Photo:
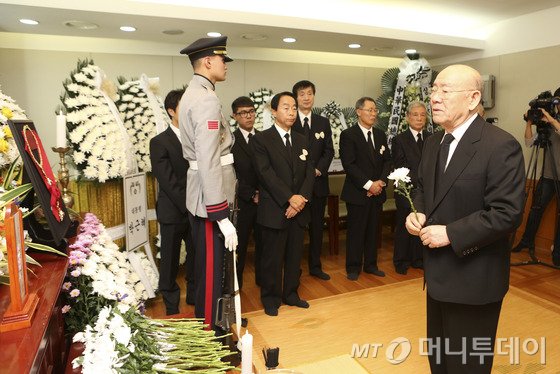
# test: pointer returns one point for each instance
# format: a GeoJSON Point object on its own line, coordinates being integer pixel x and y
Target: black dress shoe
{"type": "Point", "coordinates": [401, 270]}
{"type": "Point", "coordinates": [352, 276]}
{"type": "Point", "coordinates": [299, 303]}
{"type": "Point", "coordinates": [418, 265]}
{"type": "Point", "coordinates": [376, 272]}
{"type": "Point", "coordinates": [556, 261]}
{"type": "Point", "coordinates": [190, 301]}
{"type": "Point", "coordinates": [519, 247]}
{"type": "Point", "coordinates": [273, 312]}
{"type": "Point", "coordinates": [172, 312]}
{"type": "Point", "coordinates": [321, 275]}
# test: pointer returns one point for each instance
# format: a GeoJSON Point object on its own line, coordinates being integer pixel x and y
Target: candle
{"type": "Point", "coordinates": [247, 353]}
{"type": "Point", "coordinates": [60, 130]}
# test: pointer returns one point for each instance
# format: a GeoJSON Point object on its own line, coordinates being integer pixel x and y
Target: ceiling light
{"type": "Point", "coordinates": [354, 45]}
{"type": "Point", "coordinates": [81, 25]}
{"type": "Point", "coordinates": [409, 51]}
{"type": "Point", "coordinates": [28, 21]}
{"type": "Point", "coordinates": [128, 28]}
{"type": "Point", "coordinates": [289, 40]}
{"type": "Point", "coordinates": [252, 36]}
{"type": "Point", "coordinates": [213, 34]}
{"type": "Point", "coordinates": [173, 32]}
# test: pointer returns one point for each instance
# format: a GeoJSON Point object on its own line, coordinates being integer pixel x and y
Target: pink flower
{"type": "Point", "coordinates": [66, 286]}
{"type": "Point", "coordinates": [66, 308]}
{"type": "Point", "coordinates": [75, 292]}
{"type": "Point", "coordinates": [76, 273]}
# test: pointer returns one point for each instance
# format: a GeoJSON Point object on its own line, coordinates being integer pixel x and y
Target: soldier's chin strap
{"type": "Point", "coordinates": [236, 299]}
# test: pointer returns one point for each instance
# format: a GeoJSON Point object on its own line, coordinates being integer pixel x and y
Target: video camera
{"type": "Point", "coordinates": [546, 101]}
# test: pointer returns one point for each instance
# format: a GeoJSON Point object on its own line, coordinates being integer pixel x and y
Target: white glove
{"type": "Point", "coordinates": [230, 235]}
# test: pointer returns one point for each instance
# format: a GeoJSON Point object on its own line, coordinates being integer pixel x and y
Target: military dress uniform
{"type": "Point", "coordinates": [207, 143]}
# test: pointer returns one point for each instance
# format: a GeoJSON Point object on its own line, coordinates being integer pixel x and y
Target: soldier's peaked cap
{"type": "Point", "coordinates": [207, 47]}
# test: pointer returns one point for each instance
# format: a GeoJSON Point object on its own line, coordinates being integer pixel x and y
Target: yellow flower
{"type": "Point", "coordinates": [7, 112]}
{"type": "Point", "coordinates": [3, 146]}
{"type": "Point", "coordinates": [7, 132]}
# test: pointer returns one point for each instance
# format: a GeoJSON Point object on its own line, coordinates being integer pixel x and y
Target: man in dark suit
{"type": "Point", "coordinates": [406, 151]}
{"type": "Point", "coordinates": [286, 178]}
{"type": "Point", "coordinates": [366, 160]}
{"type": "Point", "coordinates": [469, 199]}
{"type": "Point", "coordinates": [247, 189]}
{"type": "Point", "coordinates": [317, 130]}
{"type": "Point", "coordinates": [170, 169]}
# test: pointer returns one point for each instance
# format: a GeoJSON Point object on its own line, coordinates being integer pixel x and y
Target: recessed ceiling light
{"type": "Point", "coordinates": [252, 36]}
{"type": "Point", "coordinates": [213, 34]}
{"type": "Point", "coordinates": [409, 51]}
{"type": "Point", "coordinates": [354, 45]}
{"type": "Point", "coordinates": [81, 25]}
{"type": "Point", "coordinates": [28, 21]}
{"type": "Point", "coordinates": [289, 40]}
{"type": "Point", "coordinates": [128, 28]}
{"type": "Point", "coordinates": [173, 32]}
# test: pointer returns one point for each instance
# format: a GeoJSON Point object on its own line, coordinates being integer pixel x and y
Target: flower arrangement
{"type": "Point", "coordinates": [122, 341]}
{"type": "Point", "coordinates": [400, 86]}
{"type": "Point", "coordinates": [141, 109]}
{"type": "Point", "coordinates": [8, 110]}
{"type": "Point", "coordinates": [403, 185]}
{"type": "Point", "coordinates": [339, 119]}
{"type": "Point", "coordinates": [261, 98]}
{"type": "Point", "coordinates": [100, 275]}
{"type": "Point", "coordinates": [101, 147]}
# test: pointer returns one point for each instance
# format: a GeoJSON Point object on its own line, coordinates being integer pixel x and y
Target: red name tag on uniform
{"type": "Point", "coordinates": [213, 125]}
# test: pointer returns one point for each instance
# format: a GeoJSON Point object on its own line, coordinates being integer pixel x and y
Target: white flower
{"type": "Point", "coordinates": [303, 155]}
{"type": "Point", "coordinates": [382, 149]}
{"type": "Point", "coordinates": [400, 175]}
{"type": "Point", "coordinates": [320, 135]}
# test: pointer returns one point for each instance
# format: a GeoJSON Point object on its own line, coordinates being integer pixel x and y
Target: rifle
{"type": "Point", "coordinates": [225, 307]}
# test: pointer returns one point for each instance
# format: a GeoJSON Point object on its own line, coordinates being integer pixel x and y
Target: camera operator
{"type": "Point", "coordinates": [545, 189]}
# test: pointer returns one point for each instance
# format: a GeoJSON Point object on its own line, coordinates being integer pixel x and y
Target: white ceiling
{"type": "Point", "coordinates": [436, 28]}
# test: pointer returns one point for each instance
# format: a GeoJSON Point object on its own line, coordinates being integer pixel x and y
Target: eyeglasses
{"type": "Point", "coordinates": [370, 110]}
{"type": "Point", "coordinates": [246, 113]}
{"type": "Point", "coordinates": [445, 92]}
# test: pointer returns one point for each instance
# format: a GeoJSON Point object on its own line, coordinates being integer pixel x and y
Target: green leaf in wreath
{"type": "Point", "coordinates": [389, 80]}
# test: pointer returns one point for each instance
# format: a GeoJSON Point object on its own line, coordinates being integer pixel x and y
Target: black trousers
{"type": "Point", "coordinates": [317, 207]}
{"type": "Point", "coordinates": [171, 236]}
{"type": "Point", "coordinates": [209, 259]}
{"type": "Point", "coordinates": [408, 248]}
{"type": "Point", "coordinates": [281, 254]}
{"type": "Point", "coordinates": [361, 247]}
{"type": "Point", "coordinates": [468, 331]}
{"type": "Point", "coordinates": [247, 224]}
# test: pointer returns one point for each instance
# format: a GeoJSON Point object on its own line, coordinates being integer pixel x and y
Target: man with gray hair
{"type": "Point", "coordinates": [471, 187]}
{"type": "Point", "coordinates": [407, 150]}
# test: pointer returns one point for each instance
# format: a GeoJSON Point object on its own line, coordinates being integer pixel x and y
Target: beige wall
{"type": "Point", "coordinates": [34, 79]}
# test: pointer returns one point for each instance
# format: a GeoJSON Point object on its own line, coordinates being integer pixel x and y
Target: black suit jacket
{"type": "Point", "coordinates": [322, 150]}
{"type": "Point", "coordinates": [360, 166]}
{"type": "Point", "coordinates": [281, 178]}
{"type": "Point", "coordinates": [480, 200]}
{"type": "Point", "coordinates": [244, 168]}
{"type": "Point", "coordinates": [406, 153]}
{"type": "Point", "coordinates": [170, 169]}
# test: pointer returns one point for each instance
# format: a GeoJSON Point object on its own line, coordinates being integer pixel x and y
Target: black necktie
{"type": "Point", "coordinates": [288, 146]}
{"type": "Point", "coordinates": [370, 143]}
{"type": "Point", "coordinates": [306, 127]}
{"type": "Point", "coordinates": [419, 141]}
{"type": "Point", "coordinates": [249, 138]}
{"type": "Point", "coordinates": [442, 157]}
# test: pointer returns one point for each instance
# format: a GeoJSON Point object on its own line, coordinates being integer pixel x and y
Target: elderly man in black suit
{"type": "Point", "coordinates": [170, 169]}
{"type": "Point", "coordinates": [406, 150]}
{"type": "Point", "coordinates": [317, 130]}
{"type": "Point", "coordinates": [286, 178]}
{"type": "Point", "coordinates": [366, 160]}
{"type": "Point", "coordinates": [247, 190]}
{"type": "Point", "coordinates": [470, 198]}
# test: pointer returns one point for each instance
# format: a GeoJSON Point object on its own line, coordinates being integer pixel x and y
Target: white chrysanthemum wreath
{"type": "Point", "coordinates": [102, 149]}
{"type": "Point", "coordinates": [143, 114]}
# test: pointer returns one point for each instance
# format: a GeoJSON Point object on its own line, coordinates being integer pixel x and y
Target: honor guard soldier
{"type": "Point", "coordinates": [207, 143]}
